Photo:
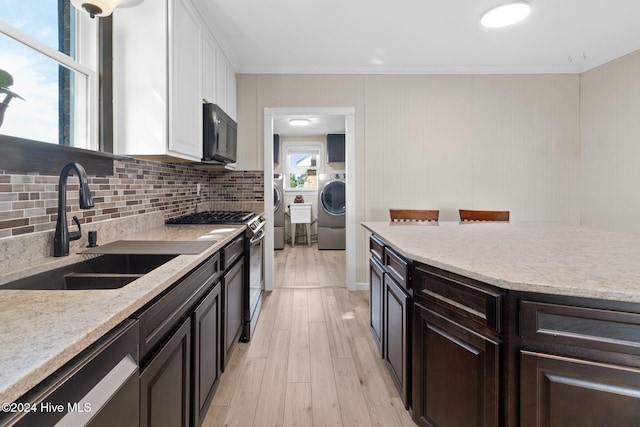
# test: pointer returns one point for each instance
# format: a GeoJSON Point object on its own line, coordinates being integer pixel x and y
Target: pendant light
{"type": "Point", "coordinates": [102, 8]}
{"type": "Point", "coordinates": [506, 14]}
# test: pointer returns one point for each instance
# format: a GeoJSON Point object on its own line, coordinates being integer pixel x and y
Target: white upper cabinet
{"type": "Point", "coordinates": [166, 64]}
{"type": "Point", "coordinates": [209, 54]}
{"type": "Point", "coordinates": [221, 85]}
{"type": "Point", "coordinates": [185, 82]}
{"type": "Point", "coordinates": [231, 93]}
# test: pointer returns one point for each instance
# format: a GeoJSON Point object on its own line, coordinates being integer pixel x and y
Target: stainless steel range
{"type": "Point", "coordinates": [215, 217]}
{"type": "Point", "coordinates": [253, 252]}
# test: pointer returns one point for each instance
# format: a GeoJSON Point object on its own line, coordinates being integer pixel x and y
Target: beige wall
{"type": "Point", "coordinates": [610, 145]}
{"type": "Point", "coordinates": [441, 142]}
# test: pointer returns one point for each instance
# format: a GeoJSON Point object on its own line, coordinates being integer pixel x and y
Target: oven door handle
{"type": "Point", "coordinates": [257, 238]}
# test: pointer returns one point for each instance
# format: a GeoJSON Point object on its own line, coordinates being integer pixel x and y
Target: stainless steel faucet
{"type": "Point", "coordinates": [62, 236]}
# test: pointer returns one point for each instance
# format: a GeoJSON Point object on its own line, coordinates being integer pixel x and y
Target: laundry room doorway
{"type": "Point", "coordinates": [298, 165]}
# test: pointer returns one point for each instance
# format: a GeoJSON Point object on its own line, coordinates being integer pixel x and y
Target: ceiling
{"type": "Point", "coordinates": [421, 36]}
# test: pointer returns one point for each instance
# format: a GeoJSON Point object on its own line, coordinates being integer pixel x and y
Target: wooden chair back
{"type": "Point", "coordinates": [471, 215]}
{"type": "Point", "coordinates": [413, 215]}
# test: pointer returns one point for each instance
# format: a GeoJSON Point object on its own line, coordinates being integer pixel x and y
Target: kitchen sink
{"type": "Point", "coordinates": [109, 271]}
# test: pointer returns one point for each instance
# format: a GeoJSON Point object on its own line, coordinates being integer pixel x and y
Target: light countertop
{"type": "Point", "coordinates": [42, 330]}
{"type": "Point", "coordinates": [540, 257]}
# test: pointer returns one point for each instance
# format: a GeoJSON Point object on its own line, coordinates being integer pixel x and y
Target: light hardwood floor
{"type": "Point", "coordinates": [311, 361]}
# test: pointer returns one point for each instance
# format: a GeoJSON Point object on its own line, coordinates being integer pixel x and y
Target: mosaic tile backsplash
{"type": "Point", "coordinates": [28, 203]}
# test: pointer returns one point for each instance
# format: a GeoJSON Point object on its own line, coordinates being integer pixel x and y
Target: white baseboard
{"type": "Point", "coordinates": [362, 286]}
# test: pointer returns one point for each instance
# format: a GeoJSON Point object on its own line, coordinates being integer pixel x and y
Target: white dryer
{"type": "Point", "coordinates": [278, 212]}
{"type": "Point", "coordinates": [332, 192]}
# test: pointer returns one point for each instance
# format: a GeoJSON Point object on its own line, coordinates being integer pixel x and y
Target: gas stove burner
{"type": "Point", "coordinates": [214, 217]}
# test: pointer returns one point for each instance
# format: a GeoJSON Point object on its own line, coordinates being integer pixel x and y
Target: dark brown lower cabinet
{"type": "Point", "coordinates": [396, 336]}
{"type": "Point", "coordinates": [563, 391]}
{"type": "Point", "coordinates": [376, 283]}
{"type": "Point", "coordinates": [455, 373]}
{"type": "Point", "coordinates": [165, 383]}
{"type": "Point", "coordinates": [206, 352]}
{"type": "Point", "coordinates": [232, 285]}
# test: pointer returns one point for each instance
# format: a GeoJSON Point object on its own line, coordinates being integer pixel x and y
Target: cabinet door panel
{"type": "Point", "coordinates": [456, 376]}
{"type": "Point", "coordinates": [165, 382]}
{"type": "Point", "coordinates": [561, 391]}
{"type": "Point", "coordinates": [395, 336]}
{"type": "Point", "coordinates": [207, 351]}
{"type": "Point", "coordinates": [221, 81]}
{"type": "Point", "coordinates": [234, 310]}
{"type": "Point", "coordinates": [375, 302]}
{"type": "Point", "coordinates": [209, 54]}
{"type": "Point", "coordinates": [185, 80]}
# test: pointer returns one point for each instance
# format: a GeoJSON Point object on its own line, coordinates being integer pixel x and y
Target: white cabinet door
{"type": "Point", "coordinates": [231, 93]}
{"type": "Point", "coordinates": [221, 86]}
{"type": "Point", "coordinates": [185, 81]}
{"type": "Point", "coordinates": [209, 71]}
{"type": "Point", "coordinates": [140, 96]}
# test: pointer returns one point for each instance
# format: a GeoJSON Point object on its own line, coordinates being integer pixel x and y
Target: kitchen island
{"type": "Point", "coordinates": [43, 330]}
{"type": "Point", "coordinates": [512, 324]}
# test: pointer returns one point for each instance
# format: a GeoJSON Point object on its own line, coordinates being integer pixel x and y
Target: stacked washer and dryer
{"type": "Point", "coordinates": [278, 212]}
{"type": "Point", "coordinates": [331, 211]}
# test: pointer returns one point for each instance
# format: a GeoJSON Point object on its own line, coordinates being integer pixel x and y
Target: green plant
{"type": "Point", "coordinates": [6, 80]}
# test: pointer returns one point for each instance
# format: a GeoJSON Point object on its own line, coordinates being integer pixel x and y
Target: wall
{"type": "Point", "coordinates": [442, 142]}
{"type": "Point", "coordinates": [610, 144]}
{"type": "Point", "coordinates": [28, 202]}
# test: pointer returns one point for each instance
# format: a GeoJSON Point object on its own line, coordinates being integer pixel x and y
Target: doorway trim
{"type": "Point", "coordinates": [350, 169]}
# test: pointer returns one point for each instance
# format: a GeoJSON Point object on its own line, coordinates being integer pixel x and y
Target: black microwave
{"type": "Point", "coordinates": [219, 135]}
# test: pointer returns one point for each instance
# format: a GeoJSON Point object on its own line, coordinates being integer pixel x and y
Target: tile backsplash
{"type": "Point", "coordinates": [28, 203]}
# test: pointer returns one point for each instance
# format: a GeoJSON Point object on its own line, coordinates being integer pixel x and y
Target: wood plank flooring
{"type": "Point", "coordinates": [311, 361]}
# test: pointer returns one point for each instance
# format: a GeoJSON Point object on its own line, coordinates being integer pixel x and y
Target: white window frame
{"type": "Point", "coordinates": [85, 118]}
{"type": "Point", "coordinates": [301, 147]}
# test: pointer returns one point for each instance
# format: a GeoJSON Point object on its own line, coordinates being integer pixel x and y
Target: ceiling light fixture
{"type": "Point", "coordinates": [506, 14]}
{"type": "Point", "coordinates": [101, 8]}
{"type": "Point", "coordinates": [299, 122]}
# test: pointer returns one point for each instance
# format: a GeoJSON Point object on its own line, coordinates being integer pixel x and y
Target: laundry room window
{"type": "Point", "coordinates": [302, 166]}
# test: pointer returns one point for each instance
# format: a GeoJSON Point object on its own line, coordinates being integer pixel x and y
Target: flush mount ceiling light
{"type": "Point", "coordinates": [506, 14]}
{"type": "Point", "coordinates": [299, 122]}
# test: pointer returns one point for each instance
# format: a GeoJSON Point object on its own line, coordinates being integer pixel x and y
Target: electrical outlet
{"type": "Point", "coordinates": [198, 189]}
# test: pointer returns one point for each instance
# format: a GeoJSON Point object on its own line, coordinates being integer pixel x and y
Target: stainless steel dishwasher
{"type": "Point", "coordinates": [99, 387]}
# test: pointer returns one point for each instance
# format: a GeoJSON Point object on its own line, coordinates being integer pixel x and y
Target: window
{"type": "Point", "coordinates": [50, 51]}
{"type": "Point", "coordinates": [302, 166]}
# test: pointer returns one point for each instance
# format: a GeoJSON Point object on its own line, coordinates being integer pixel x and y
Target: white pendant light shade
{"type": "Point", "coordinates": [96, 7]}
{"type": "Point", "coordinates": [506, 14]}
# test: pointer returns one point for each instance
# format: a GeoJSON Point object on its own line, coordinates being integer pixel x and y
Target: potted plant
{"type": "Point", "coordinates": [5, 81]}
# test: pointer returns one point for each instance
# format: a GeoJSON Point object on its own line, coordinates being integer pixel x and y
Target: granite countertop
{"type": "Point", "coordinates": [540, 257]}
{"type": "Point", "coordinates": [42, 330]}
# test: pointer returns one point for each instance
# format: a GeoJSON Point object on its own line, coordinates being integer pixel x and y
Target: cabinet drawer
{"type": "Point", "coordinates": [397, 267]}
{"type": "Point", "coordinates": [465, 297]}
{"type": "Point", "coordinates": [162, 317]}
{"type": "Point", "coordinates": [232, 252]}
{"type": "Point", "coordinates": [592, 328]}
{"type": "Point", "coordinates": [376, 247]}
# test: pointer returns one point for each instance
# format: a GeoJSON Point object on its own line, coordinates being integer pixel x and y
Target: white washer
{"type": "Point", "coordinates": [278, 212]}
{"type": "Point", "coordinates": [332, 191]}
